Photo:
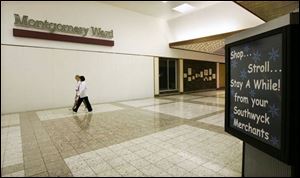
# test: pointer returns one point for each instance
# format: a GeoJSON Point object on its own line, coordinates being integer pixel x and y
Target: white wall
{"type": "Point", "coordinates": [39, 74]}
{"type": "Point", "coordinates": [209, 21]}
{"type": "Point", "coordinates": [42, 78]}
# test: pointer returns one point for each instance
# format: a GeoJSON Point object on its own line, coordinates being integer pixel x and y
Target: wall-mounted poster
{"type": "Point", "coordinates": [193, 77]}
{"type": "Point", "coordinates": [210, 71]}
{"type": "Point", "coordinates": [214, 76]}
{"type": "Point", "coordinates": [209, 78]}
{"type": "Point", "coordinates": [185, 75]}
{"type": "Point", "coordinates": [201, 74]}
{"type": "Point", "coordinates": [205, 72]}
{"type": "Point", "coordinates": [189, 71]}
{"type": "Point", "coordinates": [189, 79]}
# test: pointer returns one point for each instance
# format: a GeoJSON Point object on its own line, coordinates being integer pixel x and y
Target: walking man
{"type": "Point", "coordinates": [82, 94]}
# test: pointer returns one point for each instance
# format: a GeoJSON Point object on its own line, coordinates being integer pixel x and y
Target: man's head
{"type": "Point", "coordinates": [82, 78]}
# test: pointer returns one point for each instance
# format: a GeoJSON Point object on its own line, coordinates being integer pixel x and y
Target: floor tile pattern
{"type": "Point", "coordinates": [183, 109]}
{"type": "Point", "coordinates": [67, 112]}
{"type": "Point", "coordinates": [217, 119]}
{"type": "Point", "coordinates": [179, 151]}
{"type": "Point", "coordinates": [145, 102]}
{"type": "Point", "coordinates": [179, 135]}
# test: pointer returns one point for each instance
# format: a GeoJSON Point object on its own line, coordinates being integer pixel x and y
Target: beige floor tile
{"type": "Point", "coordinates": [109, 173]}
{"type": "Point", "coordinates": [176, 171]}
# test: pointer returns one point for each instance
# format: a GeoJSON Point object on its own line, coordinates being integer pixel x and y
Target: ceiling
{"type": "Point", "coordinates": [159, 9]}
{"type": "Point", "coordinates": [265, 10]}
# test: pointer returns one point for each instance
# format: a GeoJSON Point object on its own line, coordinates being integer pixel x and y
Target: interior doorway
{"type": "Point", "coordinates": [167, 74]}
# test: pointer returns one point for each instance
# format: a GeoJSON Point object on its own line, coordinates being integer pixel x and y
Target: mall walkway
{"type": "Point", "coordinates": [179, 135]}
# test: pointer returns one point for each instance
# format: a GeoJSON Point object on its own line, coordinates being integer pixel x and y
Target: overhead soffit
{"type": "Point", "coordinates": [269, 10]}
{"type": "Point", "coordinates": [265, 10]}
{"type": "Point", "coordinates": [211, 44]}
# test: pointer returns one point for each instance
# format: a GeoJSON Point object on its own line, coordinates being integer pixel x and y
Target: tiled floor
{"type": "Point", "coordinates": [181, 97]}
{"type": "Point", "coordinates": [168, 136]}
{"type": "Point", "coordinates": [67, 112]}
{"type": "Point", "coordinates": [214, 100]}
{"type": "Point", "coordinates": [217, 119]}
{"type": "Point", "coordinates": [11, 146]}
{"type": "Point", "coordinates": [10, 120]}
{"type": "Point", "coordinates": [145, 102]}
{"type": "Point", "coordinates": [173, 152]}
{"type": "Point", "coordinates": [184, 110]}
{"type": "Point", "coordinates": [218, 93]}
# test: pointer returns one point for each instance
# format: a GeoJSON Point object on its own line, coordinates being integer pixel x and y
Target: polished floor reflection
{"type": "Point", "coordinates": [180, 135]}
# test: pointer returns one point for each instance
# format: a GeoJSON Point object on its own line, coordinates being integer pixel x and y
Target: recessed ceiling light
{"type": "Point", "coordinates": [164, 1]}
{"type": "Point", "coordinates": [183, 8]}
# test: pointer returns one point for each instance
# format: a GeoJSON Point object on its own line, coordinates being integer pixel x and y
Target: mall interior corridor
{"type": "Point", "coordinates": [149, 89]}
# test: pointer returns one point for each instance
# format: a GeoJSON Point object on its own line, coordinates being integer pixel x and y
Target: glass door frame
{"type": "Point", "coordinates": [168, 74]}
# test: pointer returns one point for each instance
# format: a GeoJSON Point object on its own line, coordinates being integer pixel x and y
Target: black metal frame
{"type": "Point", "coordinates": [284, 153]}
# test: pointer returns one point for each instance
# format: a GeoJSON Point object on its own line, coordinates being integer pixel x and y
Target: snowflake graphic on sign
{"type": "Point", "coordinates": [256, 56]}
{"type": "Point", "coordinates": [243, 74]}
{"type": "Point", "coordinates": [274, 141]}
{"type": "Point", "coordinates": [273, 55]}
{"type": "Point", "coordinates": [273, 110]}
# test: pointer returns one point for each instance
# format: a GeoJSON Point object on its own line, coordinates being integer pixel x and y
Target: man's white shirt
{"type": "Point", "coordinates": [82, 89]}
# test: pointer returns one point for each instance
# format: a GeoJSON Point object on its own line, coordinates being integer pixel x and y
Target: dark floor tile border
{"type": "Point", "coordinates": [31, 119]}
{"type": "Point", "coordinates": [207, 104]}
{"type": "Point", "coordinates": [7, 126]}
{"type": "Point", "coordinates": [207, 115]}
{"type": "Point", "coordinates": [119, 104]}
{"type": "Point", "coordinates": [209, 127]}
{"type": "Point", "coordinates": [182, 99]}
{"type": "Point", "coordinates": [141, 107]}
{"type": "Point", "coordinates": [171, 125]}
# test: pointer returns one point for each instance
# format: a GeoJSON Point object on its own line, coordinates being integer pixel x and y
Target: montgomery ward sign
{"type": "Point", "coordinates": [52, 27]}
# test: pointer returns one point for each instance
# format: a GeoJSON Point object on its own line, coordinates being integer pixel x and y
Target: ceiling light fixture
{"type": "Point", "coordinates": [183, 8]}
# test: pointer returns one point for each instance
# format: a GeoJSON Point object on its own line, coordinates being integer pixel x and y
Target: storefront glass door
{"type": "Point", "coordinates": [167, 74]}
